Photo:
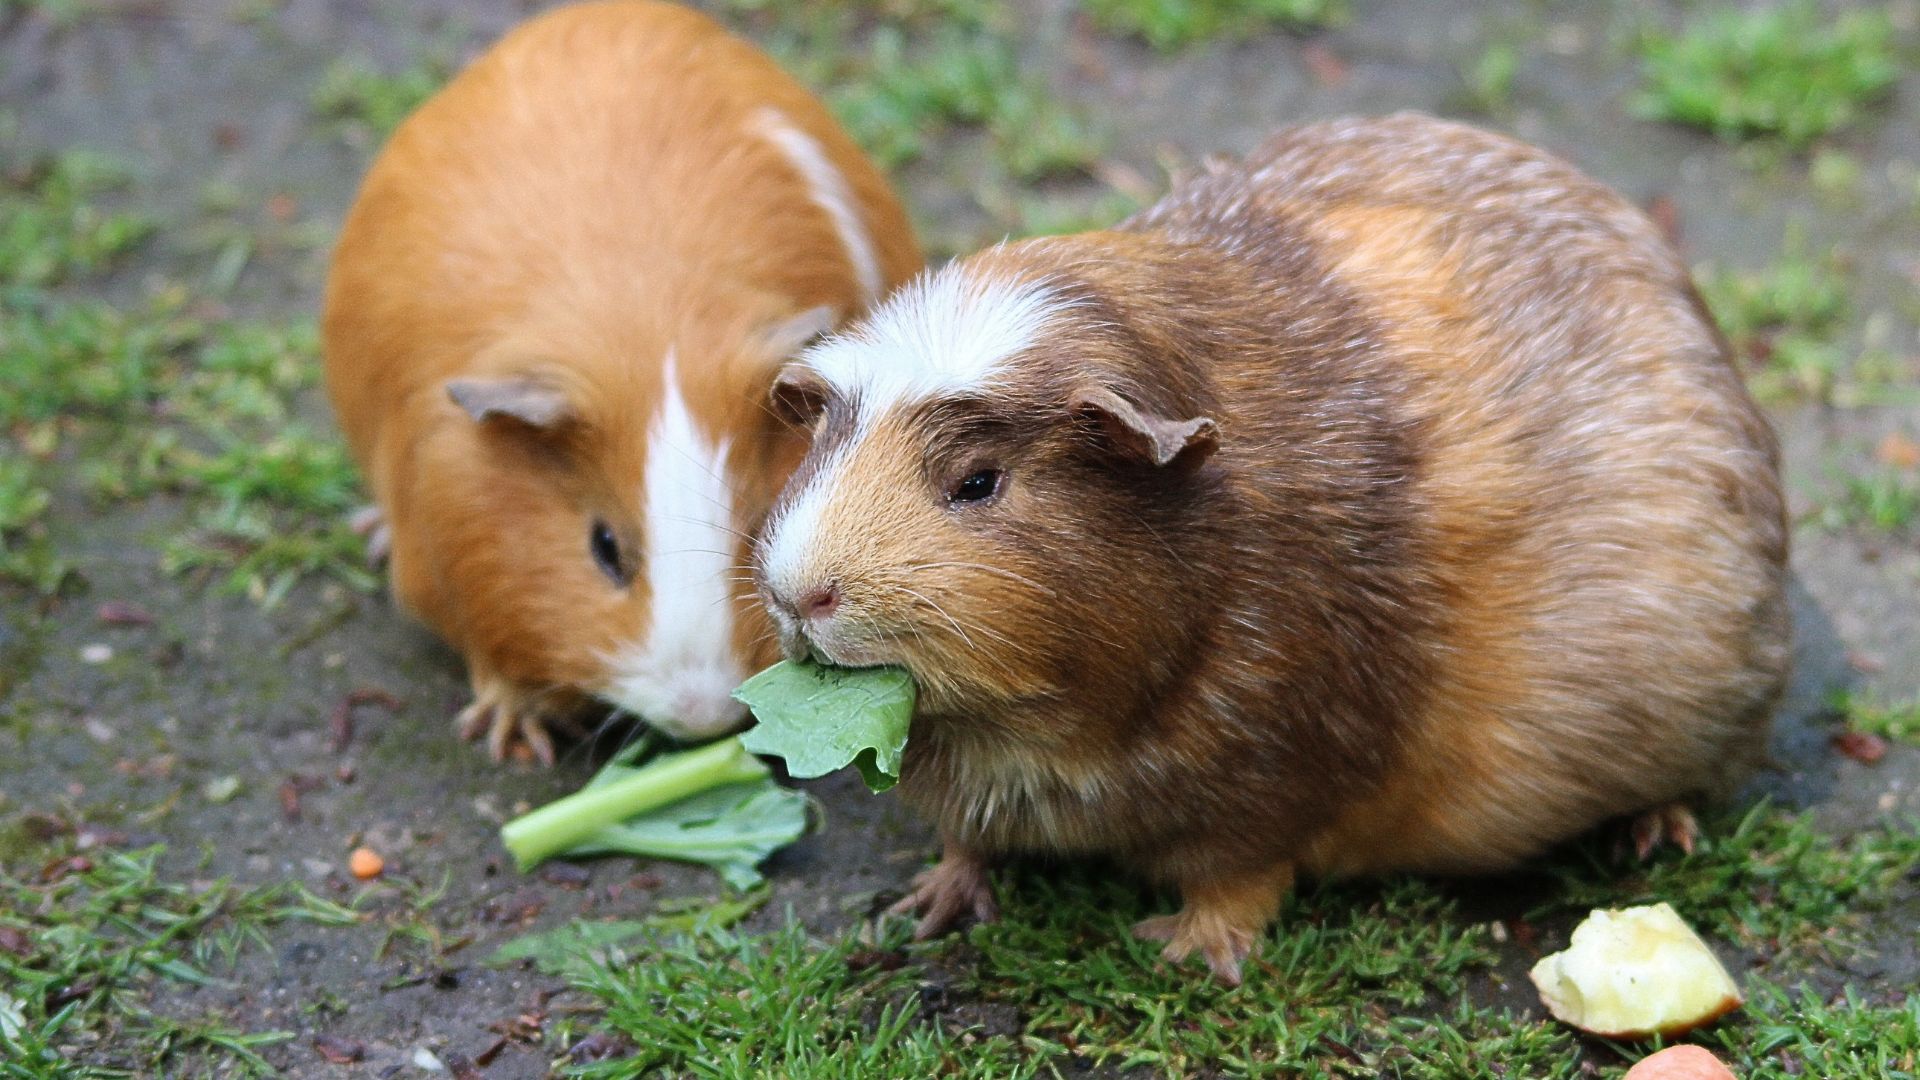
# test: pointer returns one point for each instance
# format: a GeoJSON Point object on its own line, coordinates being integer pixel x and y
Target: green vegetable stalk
{"type": "Point", "coordinates": [565, 823]}
{"type": "Point", "coordinates": [718, 804]}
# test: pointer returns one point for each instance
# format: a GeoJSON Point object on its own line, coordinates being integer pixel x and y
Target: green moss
{"type": "Point", "coordinates": [1790, 71]}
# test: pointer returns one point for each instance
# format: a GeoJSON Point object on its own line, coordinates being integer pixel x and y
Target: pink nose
{"type": "Point", "coordinates": [819, 603]}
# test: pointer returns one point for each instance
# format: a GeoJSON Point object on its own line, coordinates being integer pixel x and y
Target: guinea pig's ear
{"type": "Point", "coordinates": [795, 332]}
{"type": "Point", "coordinates": [533, 402]}
{"type": "Point", "coordinates": [799, 395]}
{"type": "Point", "coordinates": [1145, 437]}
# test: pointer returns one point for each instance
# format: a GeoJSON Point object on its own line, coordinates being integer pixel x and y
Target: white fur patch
{"type": "Point", "coordinates": [938, 334]}
{"type": "Point", "coordinates": [682, 678]}
{"type": "Point", "coordinates": [784, 564]}
{"type": "Point", "coordinates": [830, 192]}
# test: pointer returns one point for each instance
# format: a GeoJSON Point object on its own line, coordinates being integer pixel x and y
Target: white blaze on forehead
{"type": "Point", "coordinates": [681, 677]}
{"type": "Point", "coordinates": [829, 190]}
{"type": "Point", "coordinates": [940, 334]}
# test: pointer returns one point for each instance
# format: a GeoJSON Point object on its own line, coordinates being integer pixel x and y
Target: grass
{"type": "Point", "coordinates": [911, 87]}
{"type": "Point", "coordinates": [1488, 80]}
{"type": "Point", "coordinates": [1788, 71]}
{"type": "Point", "coordinates": [1840, 1037]}
{"type": "Point", "coordinates": [53, 228]}
{"type": "Point", "coordinates": [1896, 722]}
{"type": "Point", "coordinates": [1770, 881]}
{"type": "Point", "coordinates": [1885, 501]}
{"type": "Point", "coordinates": [149, 397]}
{"type": "Point", "coordinates": [1360, 980]}
{"type": "Point", "coordinates": [723, 1005]}
{"type": "Point", "coordinates": [958, 75]}
{"type": "Point", "coordinates": [21, 499]}
{"type": "Point", "coordinates": [941, 83]}
{"type": "Point", "coordinates": [92, 932]}
{"type": "Point", "coordinates": [367, 103]}
{"type": "Point", "coordinates": [1786, 323]}
{"type": "Point", "coordinates": [1171, 25]}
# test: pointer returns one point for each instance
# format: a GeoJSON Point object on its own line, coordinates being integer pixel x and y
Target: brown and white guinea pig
{"type": "Point", "coordinates": [1384, 502]}
{"type": "Point", "coordinates": [551, 323]}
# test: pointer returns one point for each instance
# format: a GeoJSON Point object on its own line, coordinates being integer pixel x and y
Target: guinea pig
{"type": "Point", "coordinates": [1385, 502]}
{"type": "Point", "coordinates": [551, 323]}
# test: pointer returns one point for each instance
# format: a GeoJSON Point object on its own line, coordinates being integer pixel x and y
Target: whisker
{"type": "Point", "coordinates": [739, 533]}
{"type": "Point", "coordinates": [725, 480]}
{"type": "Point", "coordinates": [922, 597]}
{"type": "Point", "coordinates": [1002, 571]}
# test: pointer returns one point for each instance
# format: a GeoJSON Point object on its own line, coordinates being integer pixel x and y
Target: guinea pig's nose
{"type": "Point", "coordinates": [819, 602]}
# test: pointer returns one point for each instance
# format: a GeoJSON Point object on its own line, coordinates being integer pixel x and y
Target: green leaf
{"type": "Point", "coordinates": [820, 718]}
{"type": "Point", "coordinates": [571, 946]}
{"type": "Point", "coordinates": [731, 829]}
{"type": "Point", "coordinates": [574, 947]}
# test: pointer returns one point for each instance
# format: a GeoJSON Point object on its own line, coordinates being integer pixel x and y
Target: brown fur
{"type": "Point", "coordinates": [1491, 549]}
{"type": "Point", "coordinates": [585, 196]}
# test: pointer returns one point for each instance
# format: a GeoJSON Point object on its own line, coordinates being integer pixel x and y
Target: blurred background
{"type": "Point", "coordinates": [200, 679]}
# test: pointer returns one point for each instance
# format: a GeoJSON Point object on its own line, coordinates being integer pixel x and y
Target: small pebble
{"type": "Point", "coordinates": [96, 653]}
{"type": "Point", "coordinates": [221, 789]}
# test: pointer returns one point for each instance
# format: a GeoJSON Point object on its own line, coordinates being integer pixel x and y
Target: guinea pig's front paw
{"type": "Point", "coordinates": [957, 885]}
{"type": "Point", "coordinates": [508, 717]}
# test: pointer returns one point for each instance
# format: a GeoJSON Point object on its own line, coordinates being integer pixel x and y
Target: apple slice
{"type": "Point", "coordinates": [1635, 972]}
{"type": "Point", "coordinates": [1684, 1062]}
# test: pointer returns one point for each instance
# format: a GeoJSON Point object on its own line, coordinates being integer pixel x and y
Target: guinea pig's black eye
{"type": "Point", "coordinates": [977, 486]}
{"type": "Point", "coordinates": [606, 553]}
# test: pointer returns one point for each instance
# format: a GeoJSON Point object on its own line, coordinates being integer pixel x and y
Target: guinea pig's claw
{"type": "Point", "coordinates": [369, 523]}
{"type": "Point", "coordinates": [1224, 946]}
{"type": "Point", "coordinates": [954, 887]}
{"type": "Point", "coordinates": [1672, 823]}
{"type": "Point", "coordinates": [502, 725]}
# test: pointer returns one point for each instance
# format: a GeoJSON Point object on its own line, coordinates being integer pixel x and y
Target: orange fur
{"type": "Point", "coordinates": [590, 194]}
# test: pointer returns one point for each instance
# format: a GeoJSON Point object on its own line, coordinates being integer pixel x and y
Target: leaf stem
{"type": "Point", "coordinates": [559, 825]}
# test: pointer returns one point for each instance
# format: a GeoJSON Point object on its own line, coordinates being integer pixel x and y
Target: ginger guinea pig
{"type": "Point", "coordinates": [551, 323]}
{"type": "Point", "coordinates": [1384, 502]}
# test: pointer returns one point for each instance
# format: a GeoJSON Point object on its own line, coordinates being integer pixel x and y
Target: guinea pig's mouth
{"type": "Point", "coordinates": [825, 645]}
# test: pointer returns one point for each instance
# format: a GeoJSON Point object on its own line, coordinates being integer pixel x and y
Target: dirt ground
{"type": "Point", "coordinates": [190, 94]}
